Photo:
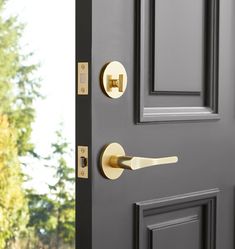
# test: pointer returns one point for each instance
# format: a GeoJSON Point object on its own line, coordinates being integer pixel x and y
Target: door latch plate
{"type": "Point", "coordinates": [83, 78]}
{"type": "Point", "coordinates": [83, 162]}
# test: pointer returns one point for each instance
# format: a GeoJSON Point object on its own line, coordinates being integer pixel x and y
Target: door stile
{"type": "Point", "coordinates": [83, 124]}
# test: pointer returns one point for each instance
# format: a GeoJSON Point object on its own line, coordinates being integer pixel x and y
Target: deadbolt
{"type": "Point", "coordinates": [113, 161]}
{"type": "Point", "coordinates": [114, 79]}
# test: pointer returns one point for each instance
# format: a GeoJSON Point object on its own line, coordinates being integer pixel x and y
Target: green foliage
{"type": "Point", "coordinates": [63, 193]}
{"type": "Point", "coordinates": [18, 88]}
{"type": "Point", "coordinates": [41, 217]}
{"type": "Point", "coordinates": [53, 216]}
{"type": "Point", "coordinates": [50, 219]}
{"type": "Point", "coordinates": [13, 204]}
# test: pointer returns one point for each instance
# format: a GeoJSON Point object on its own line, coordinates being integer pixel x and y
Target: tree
{"type": "Point", "coordinates": [18, 86]}
{"type": "Point", "coordinates": [53, 215]}
{"type": "Point", "coordinates": [18, 90]}
{"type": "Point", "coordinates": [63, 193]}
{"type": "Point", "coordinates": [13, 203]}
{"type": "Point", "coordinates": [42, 220]}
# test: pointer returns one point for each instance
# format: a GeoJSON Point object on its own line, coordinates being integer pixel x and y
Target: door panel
{"type": "Point", "coordinates": [170, 21]}
{"type": "Point", "coordinates": [182, 222]}
{"type": "Point", "coordinates": [177, 60]}
{"type": "Point", "coordinates": [185, 205]}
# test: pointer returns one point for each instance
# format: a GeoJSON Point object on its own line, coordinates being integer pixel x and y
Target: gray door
{"type": "Point", "coordinates": [179, 56]}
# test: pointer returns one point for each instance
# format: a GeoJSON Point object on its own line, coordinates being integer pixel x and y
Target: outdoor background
{"type": "Point", "coordinates": [37, 119]}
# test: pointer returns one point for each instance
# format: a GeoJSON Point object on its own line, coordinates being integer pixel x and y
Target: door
{"type": "Point", "coordinates": [179, 103]}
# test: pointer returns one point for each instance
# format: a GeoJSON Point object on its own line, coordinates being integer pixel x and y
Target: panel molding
{"type": "Point", "coordinates": [153, 114]}
{"type": "Point", "coordinates": [145, 68]}
{"type": "Point", "coordinates": [154, 229]}
{"type": "Point", "coordinates": [170, 223]}
{"type": "Point", "coordinates": [206, 200]}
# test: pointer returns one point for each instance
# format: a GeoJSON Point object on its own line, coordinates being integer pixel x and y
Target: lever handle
{"type": "Point", "coordinates": [134, 163]}
{"type": "Point", "coordinates": [114, 161]}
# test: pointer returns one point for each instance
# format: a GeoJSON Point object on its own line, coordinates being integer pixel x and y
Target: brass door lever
{"type": "Point", "coordinates": [134, 163]}
{"type": "Point", "coordinates": [113, 161]}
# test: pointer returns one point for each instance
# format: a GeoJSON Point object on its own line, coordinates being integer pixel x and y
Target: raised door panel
{"type": "Point", "coordinates": [179, 222]}
{"type": "Point", "coordinates": [177, 60]}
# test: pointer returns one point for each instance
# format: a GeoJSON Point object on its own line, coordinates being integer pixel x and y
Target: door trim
{"type": "Point", "coordinates": [145, 69]}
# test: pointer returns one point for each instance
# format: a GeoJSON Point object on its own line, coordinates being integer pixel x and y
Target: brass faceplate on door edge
{"type": "Point", "coordinates": [83, 162]}
{"type": "Point", "coordinates": [83, 78]}
{"type": "Point", "coordinates": [114, 79]}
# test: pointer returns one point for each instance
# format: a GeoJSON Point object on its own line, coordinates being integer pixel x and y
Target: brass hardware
{"type": "Point", "coordinates": [83, 78]}
{"type": "Point", "coordinates": [82, 161]}
{"type": "Point", "coordinates": [113, 161]}
{"type": "Point", "coordinates": [114, 79]}
{"type": "Point", "coordinates": [107, 153]}
{"type": "Point", "coordinates": [115, 83]}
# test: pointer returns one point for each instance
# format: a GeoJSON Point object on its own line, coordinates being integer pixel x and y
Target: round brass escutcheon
{"type": "Point", "coordinates": [114, 79]}
{"type": "Point", "coordinates": [108, 151]}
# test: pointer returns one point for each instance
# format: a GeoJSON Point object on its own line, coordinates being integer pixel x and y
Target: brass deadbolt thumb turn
{"type": "Point", "coordinates": [113, 161]}
{"type": "Point", "coordinates": [114, 79]}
